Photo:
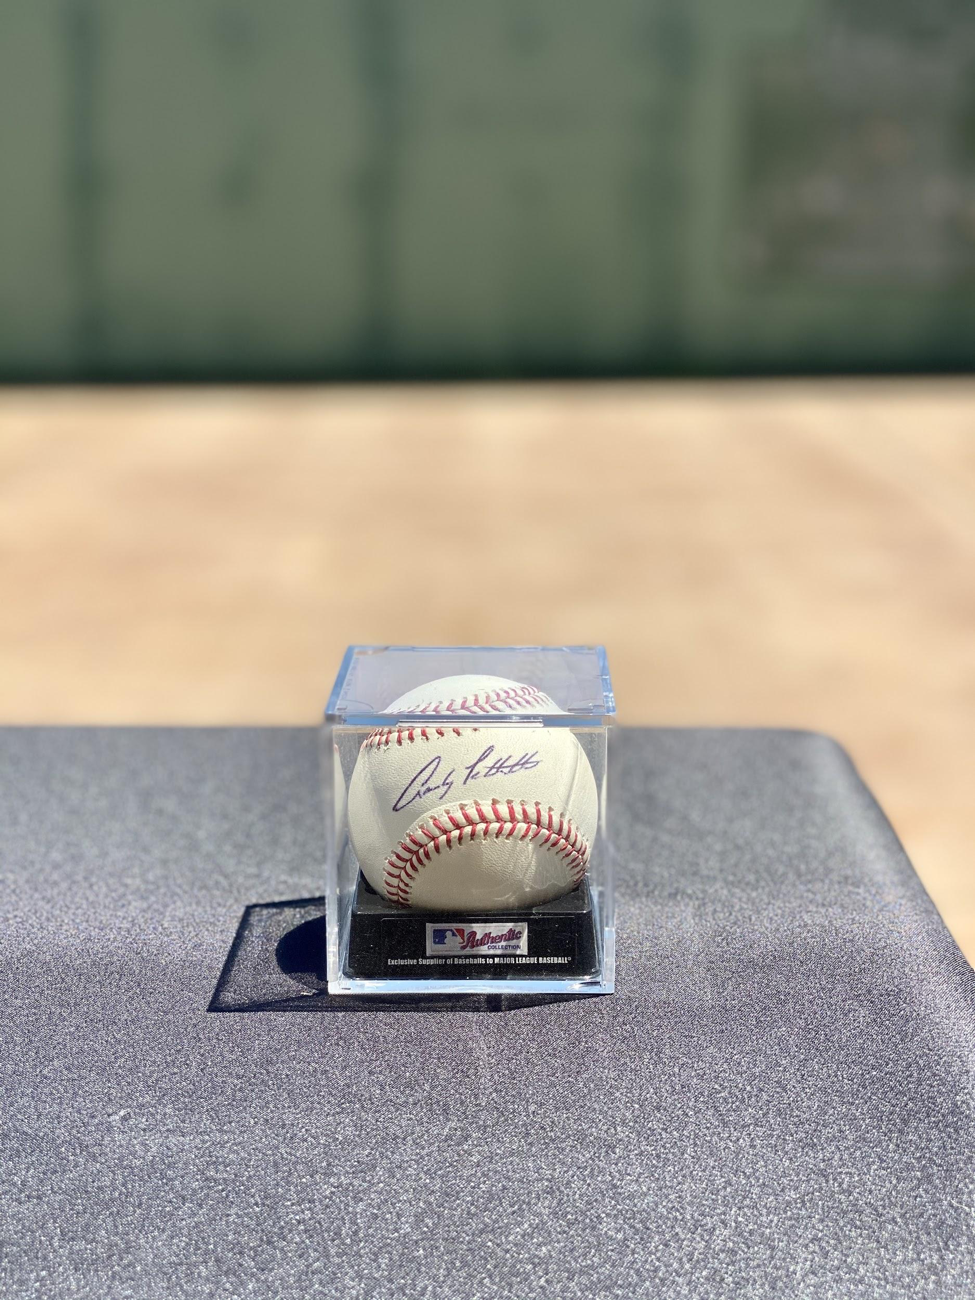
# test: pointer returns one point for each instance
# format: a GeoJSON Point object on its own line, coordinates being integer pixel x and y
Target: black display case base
{"type": "Point", "coordinates": [553, 940]}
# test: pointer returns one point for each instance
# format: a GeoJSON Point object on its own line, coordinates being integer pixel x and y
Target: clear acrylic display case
{"type": "Point", "coordinates": [383, 939]}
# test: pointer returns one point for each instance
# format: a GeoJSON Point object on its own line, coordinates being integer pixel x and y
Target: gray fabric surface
{"type": "Point", "coordinates": [777, 1101]}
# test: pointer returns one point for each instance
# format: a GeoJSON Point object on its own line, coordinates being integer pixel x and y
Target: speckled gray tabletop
{"type": "Point", "coordinates": [777, 1102]}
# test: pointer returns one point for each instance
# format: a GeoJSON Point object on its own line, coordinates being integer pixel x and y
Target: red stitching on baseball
{"type": "Point", "coordinates": [383, 737]}
{"type": "Point", "coordinates": [564, 841]}
{"type": "Point", "coordinates": [505, 699]}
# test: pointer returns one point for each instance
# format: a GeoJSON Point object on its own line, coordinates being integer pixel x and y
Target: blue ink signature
{"type": "Point", "coordinates": [487, 764]}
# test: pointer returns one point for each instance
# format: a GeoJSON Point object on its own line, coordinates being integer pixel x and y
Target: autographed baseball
{"type": "Point", "coordinates": [455, 813]}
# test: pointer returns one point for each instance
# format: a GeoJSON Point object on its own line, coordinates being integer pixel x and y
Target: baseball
{"type": "Point", "coordinates": [476, 816]}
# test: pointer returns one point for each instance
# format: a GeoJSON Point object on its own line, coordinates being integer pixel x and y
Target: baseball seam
{"type": "Point", "coordinates": [504, 819]}
{"type": "Point", "coordinates": [503, 700]}
{"type": "Point", "coordinates": [383, 737]}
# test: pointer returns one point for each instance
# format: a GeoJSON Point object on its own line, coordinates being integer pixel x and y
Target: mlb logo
{"type": "Point", "coordinates": [441, 937]}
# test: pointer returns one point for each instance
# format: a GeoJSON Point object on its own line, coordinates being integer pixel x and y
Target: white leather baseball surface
{"type": "Point", "coordinates": [448, 815]}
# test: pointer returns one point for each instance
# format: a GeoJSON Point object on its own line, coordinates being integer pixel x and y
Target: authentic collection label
{"type": "Point", "coordinates": [502, 936]}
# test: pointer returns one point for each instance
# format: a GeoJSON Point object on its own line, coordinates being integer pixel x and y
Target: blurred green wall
{"type": "Point", "coordinates": [332, 188]}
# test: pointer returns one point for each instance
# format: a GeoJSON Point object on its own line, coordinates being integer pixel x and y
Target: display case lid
{"type": "Point", "coordinates": [372, 677]}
